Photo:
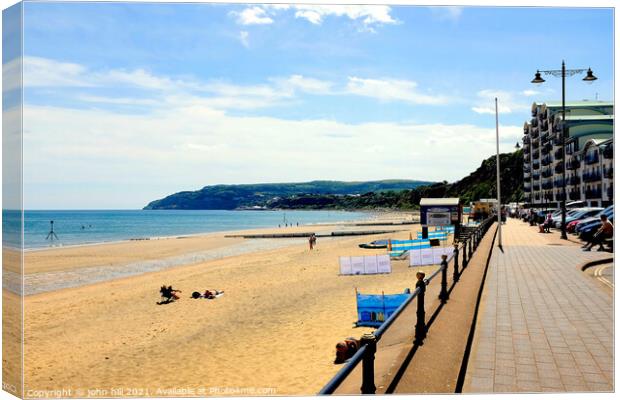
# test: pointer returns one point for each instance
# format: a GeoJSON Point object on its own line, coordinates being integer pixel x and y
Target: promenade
{"type": "Point", "coordinates": [543, 325]}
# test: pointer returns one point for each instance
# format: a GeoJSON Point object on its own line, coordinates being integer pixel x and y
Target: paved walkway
{"type": "Point", "coordinates": [543, 326]}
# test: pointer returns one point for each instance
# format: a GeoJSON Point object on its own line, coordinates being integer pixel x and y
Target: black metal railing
{"type": "Point", "coordinates": [573, 180]}
{"type": "Point", "coordinates": [610, 192]}
{"type": "Point", "coordinates": [470, 239]}
{"type": "Point", "coordinates": [608, 152]}
{"type": "Point", "coordinates": [547, 185]}
{"type": "Point", "coordinates": [536, 165]}
{"type": "Point", "coordinates": [573, 163]}
{"type": "Point", "coordinates": [558, 154]}
{"type": "Point", "coordinates": [527, 188]}
{"type": "Point", "coordinates": [535, 144]}
{"type": "Point", "coordinates": [536, 187]}
{"type": "Point", "coordinates": [574, 195]}
{"type": "Point", "coordinates": [546, 160]}
{"type": "Point", "coordinates": [547, 172]}
{"type": "Point", "coordinates": [559, 196]}
{"type": "Point", "coordinates": [558, 183]}
{"type": "Point", "coordinates": [593, 194]}
{"type": "Point", "coordinates": [592, 177]}
{"type": "Point", "coordinates": [559, 167]}
{"type": "Point", "coordinates": [536, 155]}
{"type": "Point", "coordinates": [608, 172]}
{"type": "Point", "coordinates": [536, 176]}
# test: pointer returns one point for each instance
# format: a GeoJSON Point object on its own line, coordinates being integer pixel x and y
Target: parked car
{"type": "Point", "coordinates": [578, 214]}
{"type": "Point", "coordinates": [609, 212]}
{"type": "Point", "coordinates": [557, 219]}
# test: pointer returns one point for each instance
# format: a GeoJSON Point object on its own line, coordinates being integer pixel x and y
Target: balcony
{"type": "Point", "coordinates": [610, 192]}
{"type": "Point", "coordinates": [608, 152]}
{"type": "Point", "coordinates": [546, 160]}
{"type": "Point", "coordinates": [527, 197]}
{"type": "Point", "coordinates": [557, 141]}
{"type": "Point", "coordinates": [526, 168]}
{"type": "Point", "coordinates": [591, 158]}
{"type": "Point", "coordinates": [536, 165]}
{"type": "Point", "coordinates": [537, 197]}
{"type": "Point", "coordinates": [559, 168]}
{"type": "Point", "coordinates": [536, 187]}
{"type": "Point", "coordinates": [544, 137]}
{"type": "Point", "coordinates": [547, 185]}
{"type": "Point", "coordinates": [593, 194]}
{"type": "Point", "coordinates": [546, 148]}
{"type": "Point", "coordinates": [573, 180]}
{"type": "Point", "coordinates": [570, 150]}
{"type": "Point", "coordinates": [559, 196]}
{"type": "Point", "coordinates": [536, 176]}
{"type": "Point", "coordinates": [534, 122]}
{"type": "Point", "coordinates": [574, 195]}
{"type": "Point", "coordinates": [573, 164]}
{"type": "Point", "coordinates": [535, 144]}
{"type": "Point", "coordinates": [527, 189]}
{"type": "Point", "coordinates": [548, 196]}
{"type": "Point", "coordinates": [534, 133]}
{"type": "Point", "coordinates": [558, 154]}
{"type": "Point", "coordinates": [536, 155]}
{"type": "Point", "coordinates": [526, 139]}
{"type": "Point", "coordinates": [547, 173]}
{"type": "Point", "coordinates": [526, 149]}
{"type": "Point", "coordinates": [526, 175]}
{"type": "Point", "coordinates": [544, 126]}
{"type": "Point", "coordinates": [608, 173]}
{"type": "Point", "coordinates": [558, 183]}
{"type": "Point", "coordinates": [592, 177]}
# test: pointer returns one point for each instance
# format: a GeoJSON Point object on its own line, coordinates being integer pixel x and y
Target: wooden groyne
{"type": "Point", "coordinates": [384, 223]}
{"type": "Point", "coordinates": [308, 234]}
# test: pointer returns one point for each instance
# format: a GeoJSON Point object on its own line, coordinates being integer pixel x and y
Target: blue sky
{"type": "Point", "coordinates": [135, 101]}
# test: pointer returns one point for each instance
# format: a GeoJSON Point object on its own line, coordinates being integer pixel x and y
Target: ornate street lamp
{"type": "Point", "coordinates": [539, 80]}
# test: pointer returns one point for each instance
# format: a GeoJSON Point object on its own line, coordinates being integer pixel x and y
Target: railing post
{"type": "Point", "coordinates": [471, 239]}
{"type": "Point", "coordinates": [465, 253]}
{"type": "Point", "coordinates": [420, 326]}
{"type": "Point", "coordinates": [443, 294]}
{"type": "Point", "coordinates": [368, 363]}
{"type": "Point", "coordinates": [455, 275]}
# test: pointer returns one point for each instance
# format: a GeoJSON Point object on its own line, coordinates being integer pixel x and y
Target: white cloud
{"type": "Point", "coordinates": [276, 91]}
{"type": "Point", "coordinates": [447, 13]}
{"type": "Point", "coordinates": [253, 16]}
{"type": "Point", "coordinates": [368, 15]}
{"type": "Point", "coordinates": [530, 93]}
{"type": "Point", "coordinates": [244, 38]}
{"type": "Point", "coordinates": [507, 102]}
{"type": "Point", "coordinates": [392, 90]}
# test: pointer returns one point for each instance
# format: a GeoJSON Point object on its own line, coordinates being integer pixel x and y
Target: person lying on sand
{"type": "Point", "coordinates": [208, 294]}
{"type": "Point", "coordinates": [168, 294]}
{"type": "Point", "coordinates": [346, 349]}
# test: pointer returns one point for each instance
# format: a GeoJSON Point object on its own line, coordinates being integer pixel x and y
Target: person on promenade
{"type": "Point", "coordinates": [606, 231]}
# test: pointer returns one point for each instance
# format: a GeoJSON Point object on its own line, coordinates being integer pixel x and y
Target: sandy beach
{"type": "Point", "coordinates": [273, 332]}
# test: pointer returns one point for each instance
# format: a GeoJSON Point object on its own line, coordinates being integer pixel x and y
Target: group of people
{"type": "Point", "coordinates": [168, 294]}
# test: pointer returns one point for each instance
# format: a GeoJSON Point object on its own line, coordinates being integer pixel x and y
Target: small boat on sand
{"type": "Point", "coordinates": [377, 244]}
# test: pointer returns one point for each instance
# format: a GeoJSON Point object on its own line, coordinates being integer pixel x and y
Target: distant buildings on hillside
{"type": "Point", "coordinates": [588, 159]}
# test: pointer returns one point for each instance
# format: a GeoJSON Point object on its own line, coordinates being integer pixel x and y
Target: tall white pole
{"type": "Point", "coordinates": [499, 196]}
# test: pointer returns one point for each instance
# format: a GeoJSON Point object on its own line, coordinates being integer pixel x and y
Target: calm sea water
{"type": "Point", "coordinates": [84, 227]}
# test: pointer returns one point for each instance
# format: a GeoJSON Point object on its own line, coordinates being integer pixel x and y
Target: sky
{"type": "Point", "coordinates": [125, 103]}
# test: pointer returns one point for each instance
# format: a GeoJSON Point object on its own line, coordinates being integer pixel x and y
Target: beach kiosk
{"type": "Point", "coordinates": [440, 212]}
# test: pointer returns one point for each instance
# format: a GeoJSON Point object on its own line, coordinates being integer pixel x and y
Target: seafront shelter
{"type": "Point", "coordinates": [440, 212]}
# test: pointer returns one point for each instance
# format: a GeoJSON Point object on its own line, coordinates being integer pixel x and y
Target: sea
{"type": "Point", "coordinates": [82, 227]}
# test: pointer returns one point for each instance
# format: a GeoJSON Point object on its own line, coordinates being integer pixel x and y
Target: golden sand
{"type": "Point", "coordinates": [273, 332]}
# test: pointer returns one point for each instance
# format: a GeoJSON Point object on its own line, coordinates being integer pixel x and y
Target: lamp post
{"type": "Point", "coordinates": [539, 80]}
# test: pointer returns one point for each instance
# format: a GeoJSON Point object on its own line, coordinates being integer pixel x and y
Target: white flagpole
{"type": "Point", "coordinates": [499, 196]}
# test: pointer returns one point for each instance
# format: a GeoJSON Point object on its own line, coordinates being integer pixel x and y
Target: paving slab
{"type": "Point", "coordinates": [544, 325]}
